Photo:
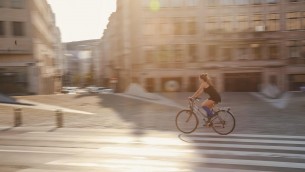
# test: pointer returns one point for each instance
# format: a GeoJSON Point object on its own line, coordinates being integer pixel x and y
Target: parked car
{"type": "Point", "coordinates": [92, 89]}
{"type": "Point", "coordinates": [104, 90]}
{"type": "Point", "coordinates": [69, 90]}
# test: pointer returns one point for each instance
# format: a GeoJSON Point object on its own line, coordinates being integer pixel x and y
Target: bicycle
{"type": "Point", "coordinates": [222, 120]}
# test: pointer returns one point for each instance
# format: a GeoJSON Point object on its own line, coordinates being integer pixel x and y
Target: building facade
{"type": "Point", "coordinates": [29, 47]}
{"type": "Point", "coordinates": [244, 45]}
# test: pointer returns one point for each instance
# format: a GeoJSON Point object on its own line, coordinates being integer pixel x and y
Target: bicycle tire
{"type": "Point", "coordinates": [186, 121]}
{"type": "Point", "coordinates": [223, 123]}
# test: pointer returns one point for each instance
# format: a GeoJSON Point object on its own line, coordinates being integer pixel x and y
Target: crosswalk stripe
{"type": "Point", "coordinates": [247, 140]}
{"type": "Point", "coordinates": [166, 152]}
{"type": "Point", "coordinates": [181, 162]}
{"type": "Point", "coordinates": [288, 148]}
{"type": "Point", "coordinates": [141, 165]}
{"type": "Point", "coordinates": [171, 152]}
{"type": "Point", "coordinates": [249, 135]}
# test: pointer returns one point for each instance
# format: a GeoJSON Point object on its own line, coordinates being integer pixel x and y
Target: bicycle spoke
{"type": "Point", "coordinates": [186, 121]}
{"type": "Point", "coordinates": [223, 123]}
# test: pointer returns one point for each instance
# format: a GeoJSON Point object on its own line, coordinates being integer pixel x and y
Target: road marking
{"type": "Point", "coordinates": [248, 135]}
{"type": "Point", "coordinates": [248, 140]}
{"type": "Point", "coordinates": [287, 148]}
{"type": "Point", "coordinates": [32, 151]}
{"type": "Point", "coordinates": [145, 165]}
{"type": "Point", "coordinates": [172, 152]}
{"type": "Point", "coordinates": [164, 151]}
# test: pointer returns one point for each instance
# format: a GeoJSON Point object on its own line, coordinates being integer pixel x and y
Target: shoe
{"type": "Point", "coordinates": [207, 123]}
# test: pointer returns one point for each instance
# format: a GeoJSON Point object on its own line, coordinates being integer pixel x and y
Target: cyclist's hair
{"type": "Point", "coordinates": [204, 76]}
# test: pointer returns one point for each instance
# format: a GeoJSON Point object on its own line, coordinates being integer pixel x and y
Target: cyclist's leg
{"type": "Point", "coordinates": [207, 105]}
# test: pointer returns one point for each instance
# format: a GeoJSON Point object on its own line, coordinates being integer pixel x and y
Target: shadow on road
{"type": "Point", "coordinates": [10, 100]}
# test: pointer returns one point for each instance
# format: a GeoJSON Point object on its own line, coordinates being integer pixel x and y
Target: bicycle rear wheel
{"type": "Point", "coordinates": [223, 123]}
{"type": "Point", "coordinates": [186, 121]}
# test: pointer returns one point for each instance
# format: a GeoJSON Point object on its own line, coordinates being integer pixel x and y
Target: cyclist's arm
{"type": "Point", "coordinates": [198, 92]}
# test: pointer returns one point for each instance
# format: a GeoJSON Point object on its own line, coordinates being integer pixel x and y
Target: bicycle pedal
{"type": "Point", "coordinates": [208, 125]}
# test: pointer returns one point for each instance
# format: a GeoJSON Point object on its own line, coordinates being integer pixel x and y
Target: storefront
{"type": "Point", "coordinates": [296, 81]}
{"type": "Point", "coordinates": [13, 80]}
{"type": "Point", "coordinates": [242, 82]}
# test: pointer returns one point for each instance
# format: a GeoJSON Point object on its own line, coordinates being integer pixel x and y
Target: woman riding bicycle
{"type": "Point", "coordinates": [207, 87]}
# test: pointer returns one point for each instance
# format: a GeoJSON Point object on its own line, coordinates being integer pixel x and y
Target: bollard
{"type": "Point", "coordinates": [59, 118]}
{"type": "Point", "coordinates": [17, 117]}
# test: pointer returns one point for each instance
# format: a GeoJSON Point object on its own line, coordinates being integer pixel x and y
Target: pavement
{"type": "Point", "coordinates": [39, 149]}
{"type": "Point", "coordinates": [123, 132]}
{"type": "Point", "coordinates": [253, 112]}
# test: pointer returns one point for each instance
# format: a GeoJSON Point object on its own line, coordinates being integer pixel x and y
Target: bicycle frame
{"type": "Point", "coordinates": [222, 121]}
{"type": "Point", "coordinates": [196, 108]}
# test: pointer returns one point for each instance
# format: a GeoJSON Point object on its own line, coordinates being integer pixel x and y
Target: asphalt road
{"type": "Point", "coordinates": [117, 132]}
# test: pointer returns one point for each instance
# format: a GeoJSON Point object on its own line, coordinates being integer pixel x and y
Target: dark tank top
{"type": "Point", "coordinates": [211, 91]}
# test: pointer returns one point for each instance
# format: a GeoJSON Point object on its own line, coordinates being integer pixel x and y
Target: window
{"type": "Point", "coordinates": [294, 0]}
{"type": "Point", "coordinates": [178, 28]}
{"type": "Point", "coordinates": [193, 52]}
{"type": "Point", "coordinates": [273, 52]}
{"type": "Point", "coordinates": [145, 3]}
{"type": "Point", "coordinates": [2, 32]}
{"type": "Point", "coordinates": [257, 2]}
{"type": "Point", "coordinates": [257, 21]}
{"type": "Point", "coordinates": [271, 1]}
{"type": "Point", "coordinates": [163, 54]}
{"type": "Point", "coordinates": [257, 51]}
{"type": "Point", "coordinates": [192, 27]}
{"type": "Point", "coordinates": [227, 54]}
{"type": "Point", "coordinates": [211, 24]}
{"type": "Point", "coordinates": [294, 50]}
{"type": "Point", "coordinates": [149, 55]}
{"type": "Point", "coordinates": [18, 28]}
{"type": "Point", "coordinates": [273, 79]}
{"type": "Point", "coordinates": [293, 21]}
{"type": "Point", "coordinates": [211, 52]}
{"type": "Point", "coordinates": [1, 3]}
{"type": "Point", "coordinates": [164, 26]}
{"type": "Point", "coordinates": [303, 21]}
{"type": "Point", "coordinates": [192, 3]}
{"type": "Point", "coordinates": [242, 23]}
{"type": "Point", "coordinates": [164, 3]}
{"type": "Point", "coordinates": [149, 29]}
{"type": "Point", "coordinates": [227, 23]}
{"type": "Point", "coordinates": [177, 3]}
{"type": "Point", "coordinates": [17, 3]}
{"type": "Point", "coordinates": [178, 53]}
{"type": "Point", "coordinates": [273, 22]}
{"type": "Point", "coordinates": [241, 53]}
{"type": "Point", "coordinates": [242, 2]}
{"type": "Point", "coordinates": [212, 3]}
{"type": "Point", "coordinates": [226, 2]}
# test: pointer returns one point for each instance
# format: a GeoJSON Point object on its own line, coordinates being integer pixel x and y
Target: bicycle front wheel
{"type": "Point", "coordinates": [223, 123]}
{"type": "Point", "coordinates": [186, 121]}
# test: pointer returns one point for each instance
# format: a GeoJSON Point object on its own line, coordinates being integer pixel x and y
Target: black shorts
{"type": "Point", "coordinates": [216, 100]}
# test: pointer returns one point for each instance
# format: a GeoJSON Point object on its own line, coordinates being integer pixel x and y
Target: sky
{"type": "Point", "coordinates": [82, 19]}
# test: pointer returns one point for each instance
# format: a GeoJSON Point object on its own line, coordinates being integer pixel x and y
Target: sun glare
{"type": "Point", "coordinates": [154, 5]}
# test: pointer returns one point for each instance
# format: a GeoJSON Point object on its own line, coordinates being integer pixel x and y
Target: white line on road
{"type": "Point", "coordinates": [248, 140]}
{"type": "Point", "coordinates": [32, 151]}
{"type": "Point", "coordinates": [248, 135]}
